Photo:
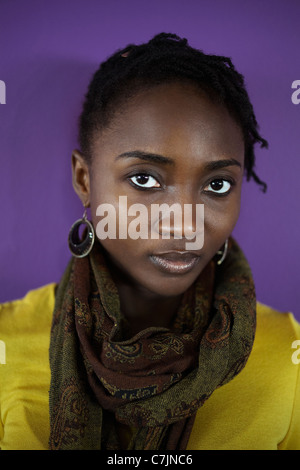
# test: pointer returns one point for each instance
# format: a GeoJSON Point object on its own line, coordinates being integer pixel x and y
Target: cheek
{"type": "Point", "coordinates": [220, 223]}
{"type": "Point", "coordinates": [103, 197]}
{"type": "Point", "coordinates": [128, 257]}
{"type": "Point", "coordinates": [112, 227]}
{"type": "Point", "coordinates": [118, 249]}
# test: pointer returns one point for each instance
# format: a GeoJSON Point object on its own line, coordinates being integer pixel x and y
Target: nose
{"type": "Point", "coordinates": [181, 219]}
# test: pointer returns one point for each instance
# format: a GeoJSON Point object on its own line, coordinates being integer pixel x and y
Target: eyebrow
{"type": "Point", "coordinates": [216, 165]}
{"type": "Point", "coordinates": [146, 156]}
{"type": "Point", "coordinates": [155, 158]}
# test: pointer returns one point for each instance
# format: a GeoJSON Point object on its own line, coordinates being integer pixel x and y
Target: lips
{"type": "Point", "coordinates": [175, 262]}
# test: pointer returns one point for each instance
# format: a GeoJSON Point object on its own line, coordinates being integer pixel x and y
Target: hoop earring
{"type": "Point", "coordinates": [80, 248]}
{"type": "Point", "coordinates": [223, 253]}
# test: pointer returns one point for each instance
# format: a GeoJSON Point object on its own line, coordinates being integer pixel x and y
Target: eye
{"type": "Point", "coordinates": [144, 180]}
{"type": "Point", "coordinates": [219, 186]}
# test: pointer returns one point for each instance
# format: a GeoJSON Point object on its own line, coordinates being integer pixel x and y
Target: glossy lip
{"type": "Point", "coordinates": [175, 262]}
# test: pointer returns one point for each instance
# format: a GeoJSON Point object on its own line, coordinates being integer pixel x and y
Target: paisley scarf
{"type": "Point", "coordinates": [154, 382]}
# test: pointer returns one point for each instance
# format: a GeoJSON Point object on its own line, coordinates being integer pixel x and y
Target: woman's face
{"type": "Point", "coordinates": [170, 144]}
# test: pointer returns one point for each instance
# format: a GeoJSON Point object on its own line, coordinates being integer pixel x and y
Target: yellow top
{"type": "Point", "coordinates": [258, 410]}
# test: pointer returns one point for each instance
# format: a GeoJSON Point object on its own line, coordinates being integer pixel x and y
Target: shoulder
{"type": "Point", "coordinates": [262, 409]}
{"type": "Point", "coordinates": [25, 326]}
{"type": "Point", "coordinates": [26, 322]}
{"type": "Point", "coordinates": [36, 305]}
{"type": "Point", "coordinates": [275, 366]}
{"type": "Point", "coordinates": [277, 335]}
{"type": "Point", "coordinates": [275, 327]}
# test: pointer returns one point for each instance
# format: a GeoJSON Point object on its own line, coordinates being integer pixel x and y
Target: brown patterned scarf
{"type": "Point", "coordinates": [155, 381]}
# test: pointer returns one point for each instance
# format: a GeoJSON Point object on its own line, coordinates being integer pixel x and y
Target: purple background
{"type": "Point", "coordinates": [48, 52]}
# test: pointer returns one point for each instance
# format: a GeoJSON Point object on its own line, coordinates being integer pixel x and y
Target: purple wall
{"type": "Point", "coordinates": [49, 49]}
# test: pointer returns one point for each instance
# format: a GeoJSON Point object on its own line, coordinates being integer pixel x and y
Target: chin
{"type": "Point", "coordinates": [170, 286]}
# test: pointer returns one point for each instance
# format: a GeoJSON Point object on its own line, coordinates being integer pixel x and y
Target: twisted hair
{"type": "Point", "coordinates": [168, 58]}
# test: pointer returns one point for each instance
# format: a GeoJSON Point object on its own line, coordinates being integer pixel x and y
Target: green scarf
{"type": "Point", "coordinates": [155, 381]}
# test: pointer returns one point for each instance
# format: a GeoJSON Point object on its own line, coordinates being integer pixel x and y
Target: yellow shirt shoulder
{"type": "Point", "coordinates": [259, 409]}
{"type": "Point", "coordinates": [24, 370]}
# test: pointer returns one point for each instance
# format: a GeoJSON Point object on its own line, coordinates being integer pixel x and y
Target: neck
{"type": "Point", "coordinates": [140, 307]}
{"type": "Point", "coordinates": [143, 310]}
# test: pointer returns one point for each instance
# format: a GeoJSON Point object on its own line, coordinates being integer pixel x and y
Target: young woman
{"type": "Point", "coordinates": [154, 343]}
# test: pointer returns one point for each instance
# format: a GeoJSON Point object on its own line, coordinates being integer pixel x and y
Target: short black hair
{"type": "Point", "coordinates": [167, 58]}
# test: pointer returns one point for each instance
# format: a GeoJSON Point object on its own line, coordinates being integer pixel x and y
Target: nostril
{"type": "Point", "coordinates": [167, 220]}
{"type": "Point", "coordinates": [177, 222]}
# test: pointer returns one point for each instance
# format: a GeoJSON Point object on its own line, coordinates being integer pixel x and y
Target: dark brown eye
{"type": "Point", "coordinates": [144, 181]}
{"type": "Point", "coordinates": [219, 186]}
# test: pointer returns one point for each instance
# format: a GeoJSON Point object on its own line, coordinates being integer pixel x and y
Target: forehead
{"type": "Point", "coordinates": [172, 119]}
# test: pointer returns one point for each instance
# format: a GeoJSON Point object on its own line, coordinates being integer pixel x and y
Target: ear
{"type": "Point", "coordinates": [81, 177]}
